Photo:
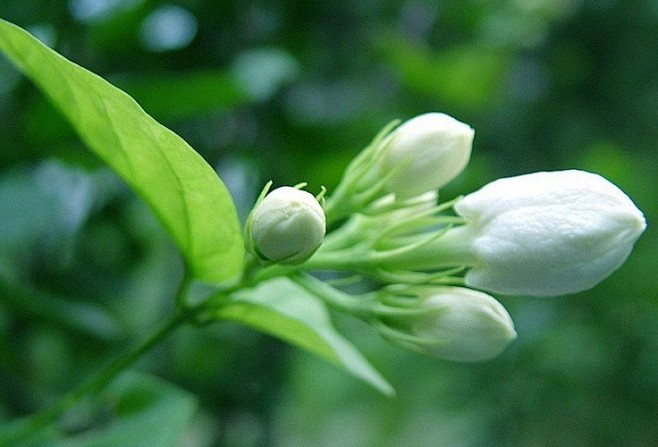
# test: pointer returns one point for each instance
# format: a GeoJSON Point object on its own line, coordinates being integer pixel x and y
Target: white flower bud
{"type": "Point", "coordinates": [548, 233]}
{"type": "Point", "coordinates": [428, 151]}
{"type": "Point", "coordinates": [459, 324]}
{"type": "Point", "coordinates": [287, 226]}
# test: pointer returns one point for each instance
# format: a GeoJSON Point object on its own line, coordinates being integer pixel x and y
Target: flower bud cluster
{"type": "Point", "coordinates": [541, 234]}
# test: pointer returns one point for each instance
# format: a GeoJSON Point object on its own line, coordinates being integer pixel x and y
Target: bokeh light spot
{"type": "Point", "coordinates": [168, 28]}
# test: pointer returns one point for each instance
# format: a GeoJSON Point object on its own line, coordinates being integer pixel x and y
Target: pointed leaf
{"type": "Point", "coordinates": [283, 309]}
{"type": "Point", "coordinates": [180, 187]}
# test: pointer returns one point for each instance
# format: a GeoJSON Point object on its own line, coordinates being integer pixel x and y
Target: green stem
{"type": "Point", "coordinates": [454, 248]}
{"type": "Point", "coordinates": [40, 420]}
{"type": "Point", "coordinates": [365, 306]}
{"type": "Point", "coordinates": [361, 308]}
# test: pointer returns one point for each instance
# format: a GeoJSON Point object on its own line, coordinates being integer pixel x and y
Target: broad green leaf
{"type": "Point", "coordinates": [180, 187]}
{"type": "Point", "coordinates": [283, 309]}
{"type": "Point", "coordinates": [147, 411]}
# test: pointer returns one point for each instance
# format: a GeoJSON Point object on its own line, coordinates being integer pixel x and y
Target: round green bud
{"type": "Point", "coordinates": [287, 226]}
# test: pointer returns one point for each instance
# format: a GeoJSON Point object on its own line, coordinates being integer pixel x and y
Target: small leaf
{"type": "Point", "coordinates": [283, 309]}
{"type": "Point", "coordinates": [181, 188]}
{"type": "Point", "coordinates": [147, 411]}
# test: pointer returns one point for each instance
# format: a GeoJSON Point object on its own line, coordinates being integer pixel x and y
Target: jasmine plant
{"type": "Point", "coordinates": [430, 265]}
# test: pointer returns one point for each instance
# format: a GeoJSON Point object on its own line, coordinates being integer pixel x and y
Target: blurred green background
{"type": "Point", "coordinates": [290, 91]}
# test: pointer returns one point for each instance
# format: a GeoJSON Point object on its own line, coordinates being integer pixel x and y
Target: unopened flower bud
{"type": "Point", "coordinates": [287, 226]}
{"type": "Point", "coordinates": [547, 233]}
{"type": "Point", "coordinates": [457, 324]}
{"type": "Point", "coordinates": [427, 151]}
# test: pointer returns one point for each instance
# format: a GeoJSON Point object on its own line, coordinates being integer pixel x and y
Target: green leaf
{"type": "Point", "coordinates": [147, 411]}
{"type": "Point", "coordinates": [91, 320]}
{"type": "Point", "coordinates": [181, 188]}
{"type": "Point", "coordinates": [283, 309]}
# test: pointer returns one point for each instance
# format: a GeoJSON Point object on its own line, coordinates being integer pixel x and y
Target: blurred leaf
{"type": "Point", "coordinates": [181, 188]}
{"type": "Point", "coordinates": [148, 411]}
{"type": "Point", "coordinates": [283, 309]}
{"type": "Point", "coordinates": [461, 76]}
{"type": "Point", "coordinates": [27, 213]}
{"type": "Point", "coordinates": [145, 411]}
{"type": "Point", "coordinates": [86, 319]}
